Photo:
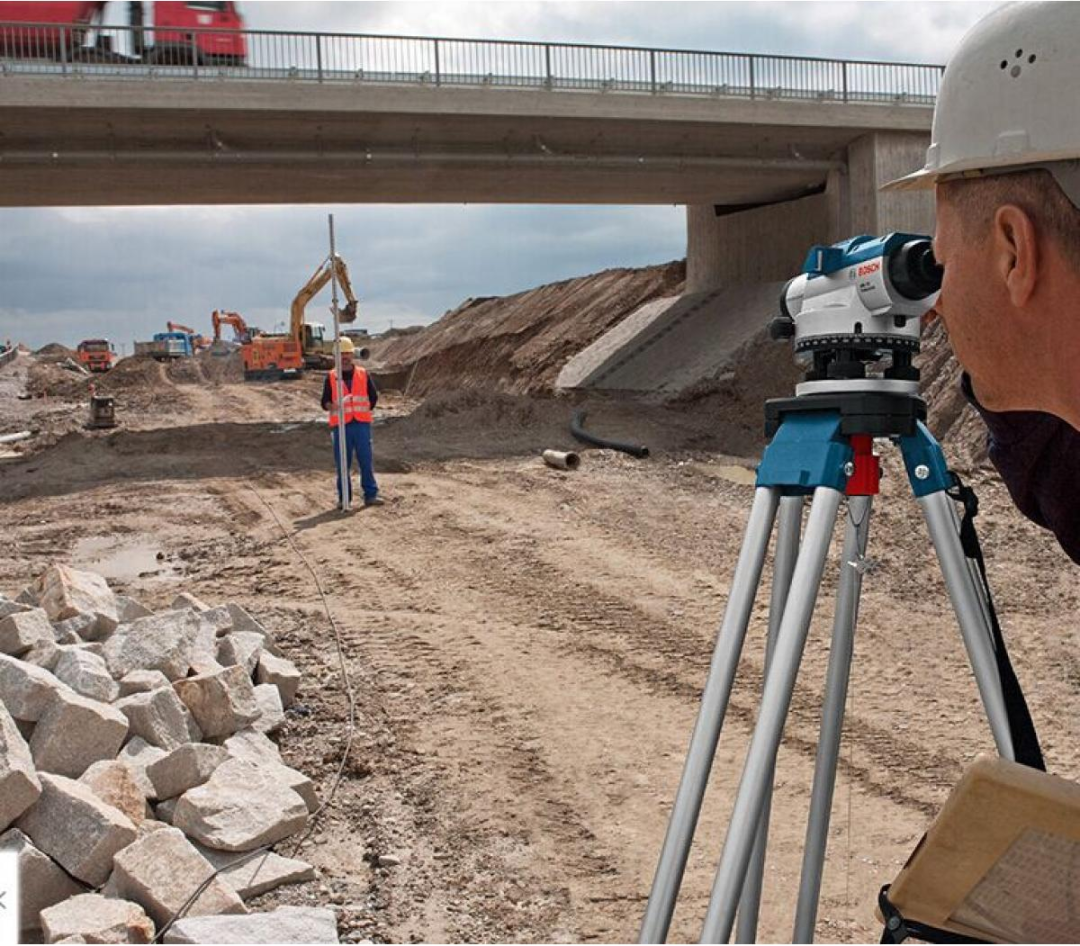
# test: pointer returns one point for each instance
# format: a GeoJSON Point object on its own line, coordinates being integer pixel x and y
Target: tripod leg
{"type": "Point", "coordinates": [970, 612]}
{"type": "Point", "coordinates": [775, 701]}
{"type": "Point", "coordinates": [789, 525]}
{"type": "Point", "coordinates": [832, 716]}
{"type": "Point", "coordinates": [714, 701]}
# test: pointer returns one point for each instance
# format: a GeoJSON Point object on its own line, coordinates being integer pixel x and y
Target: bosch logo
{"type": "Point", "coordinates": [869, 268]}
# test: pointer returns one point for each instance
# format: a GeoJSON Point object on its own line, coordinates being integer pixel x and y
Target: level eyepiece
{"type": "Point", "coordinates": [913, 271]}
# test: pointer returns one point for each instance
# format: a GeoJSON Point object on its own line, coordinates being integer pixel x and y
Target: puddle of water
{"type": "Point", "coordinates": [738, 474]}
{"type": "Point", "coordinates": [114, 558]}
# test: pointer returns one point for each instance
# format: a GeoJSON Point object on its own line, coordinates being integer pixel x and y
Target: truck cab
{"type": "Point", "coordinates": [95, 354]}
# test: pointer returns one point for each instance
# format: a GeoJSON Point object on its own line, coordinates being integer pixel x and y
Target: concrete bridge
{"type": "Point", "coordinates": [768, 153]}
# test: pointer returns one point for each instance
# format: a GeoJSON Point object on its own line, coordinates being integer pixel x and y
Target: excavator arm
{"type": "Point", "coordinates": [311, 288]}
{"type": "Point", "coordinates": [239, 326]}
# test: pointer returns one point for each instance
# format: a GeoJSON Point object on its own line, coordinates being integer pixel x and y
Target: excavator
{"type": "Point", "coordinates": [241, 333]}
{"type": "Point", "coordinates": [274, 357]}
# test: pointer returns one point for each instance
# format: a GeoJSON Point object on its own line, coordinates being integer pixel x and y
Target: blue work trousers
{"type": "Point", "coordinates": [358, 445]}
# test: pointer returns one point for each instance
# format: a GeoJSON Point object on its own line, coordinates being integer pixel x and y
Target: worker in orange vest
{"type": "Point", "coordinates": [360, 396]}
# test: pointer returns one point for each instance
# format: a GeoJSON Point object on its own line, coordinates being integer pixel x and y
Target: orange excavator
{"type": "Point", "coordinates": [274, 357]}
{"type": "Point", "coordinates": [198, 342]}
{"type": "Point", "coordinates": [241, 333]}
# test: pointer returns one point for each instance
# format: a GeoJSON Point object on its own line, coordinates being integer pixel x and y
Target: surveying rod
{"type": "Point", "coordinates": [339, 381]}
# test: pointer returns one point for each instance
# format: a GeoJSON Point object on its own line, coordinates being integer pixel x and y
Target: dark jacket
{"type": "Point", "coordinates": [347, 376]}
{"type": "Point", "coordinates": [1038, 457]}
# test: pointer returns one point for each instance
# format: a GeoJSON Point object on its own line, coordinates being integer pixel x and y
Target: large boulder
{"type": "Point", "coordinates": [253, 876]}
{"type": "Point", "coordinates": [240, 649]}
{"type": "Point", "coordinates": [41, 882]}
{"type": "Point", "coordinates": [74, 733]}
{"type": "Point", "coordinates": [92, 918]}
{"type": "Point", "coordinates": [281, 673]}
{"type": "Point", "coordinates": [184, 768]}
{"type": "Point", "coordinates": [241, 807]}
{"type": "Point", "coordinates": [131, 610]}
{"type": "Point", "coordinates": [76, 828]}
{"type": "Point", "coordinates": [115, 784]}
{"type": "Point", "coordinates": [271, 712]}
{"type": "Point", "coordinates": [162, 870]}
{"type": "Point", "coordinates": [221, 701]}
{"type": "Point", "coordinates": [159, 717]}
{"type": "Point", "coordinates": [283, 925]}
{"type": "Point", "coordinates": [137, 754]}
{"type": "Point", "coordinates": [27, 690]}
{"type": "Point", "coordinates": [242, 622]}
{"type": "Point", "coordinates": [86, 674]}
{"type": "Point", "coordinates": [142, 681]}
{"type": "Point", "coordinates": [65, 592]}
{"type": "Point", "coordinates": [22, 630]}
{"type": "Point", "coordinates": [164, 642]}
{"type": "Point", "coordinates": [19, 783]}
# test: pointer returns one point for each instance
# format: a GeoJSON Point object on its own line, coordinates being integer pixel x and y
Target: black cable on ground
{"type": "Point", "coordinates": [580, 433]}
{"type": "Point", "coordinates": [338, 775]}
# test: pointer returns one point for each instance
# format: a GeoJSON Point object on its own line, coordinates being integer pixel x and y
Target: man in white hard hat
{"type": "Point", "coordinates": [360, 395]}
{"type": "Point", "coordinates": [1005, 161]}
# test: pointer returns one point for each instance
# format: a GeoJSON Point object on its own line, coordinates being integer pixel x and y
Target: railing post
{"type": "Point", "coordinates": [547, 66]}
{"type": "Point", "coordinates": [318, 54]}
{"type": "Point", "coordinates": [63, 49]}
{"type": "Point", "coordinates": [750, 60]}
{"type": "Point", "coordinates": [194, 55]}
{"type": "Point", "coordinates": [438, 68]}
{"type": "Point", "coordinates": [652, 70]}
{"type": "Point", "coordinates": [843, 70]}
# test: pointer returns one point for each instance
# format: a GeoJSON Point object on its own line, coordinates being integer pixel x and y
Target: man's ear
{"type": "Point", "coordinates": [1016, 252]}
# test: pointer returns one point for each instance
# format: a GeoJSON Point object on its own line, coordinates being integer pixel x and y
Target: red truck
{"type": "Point", "coordinates": [177, 33]}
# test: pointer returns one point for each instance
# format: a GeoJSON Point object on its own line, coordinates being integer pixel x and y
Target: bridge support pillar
{"type": "Point", "coordinates": [767, 243]}
{"type": "Point", "coordinates": [874, 160]}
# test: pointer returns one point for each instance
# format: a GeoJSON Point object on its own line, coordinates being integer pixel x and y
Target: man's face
{"type": "Point", "coordinates": [975, 309]}
{"type": "Point", "coordinates": [346, 360]}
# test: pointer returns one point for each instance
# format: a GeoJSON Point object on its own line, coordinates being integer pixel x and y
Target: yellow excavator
{"type": "Point", "coordinates": [307, 344]}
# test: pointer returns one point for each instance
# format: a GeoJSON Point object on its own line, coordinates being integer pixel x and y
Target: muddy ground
{"type": "Point", "coordinates": [528, 646]}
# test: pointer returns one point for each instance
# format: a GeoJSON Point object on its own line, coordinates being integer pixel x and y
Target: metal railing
{"type": "Point", "coordinates": [123, 51]}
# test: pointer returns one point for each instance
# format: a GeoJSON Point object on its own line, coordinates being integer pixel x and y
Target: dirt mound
{"type": "Point", "coordinates": [47, 379]}
{"type": "Point", "coordinates": [518, 344]}
{"type": "Point", "coordinates": [54, 351]}
{"type": "Point", "coordinates": [221, 369]}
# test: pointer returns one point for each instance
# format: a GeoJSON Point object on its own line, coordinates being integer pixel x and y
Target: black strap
{"type": "Point", "coordinates": [898, 928]}
{"type": "Point", "coordinates": [1021, 727]}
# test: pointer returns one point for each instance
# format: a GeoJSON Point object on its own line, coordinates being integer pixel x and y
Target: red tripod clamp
{"type": "Point", "coordinates": [865, 478]}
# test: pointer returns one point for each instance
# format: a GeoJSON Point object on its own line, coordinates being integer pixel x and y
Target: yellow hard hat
{"type": "Point", "coordinates": [347, 346]}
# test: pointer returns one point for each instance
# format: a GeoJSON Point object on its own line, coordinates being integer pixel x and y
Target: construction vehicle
{"type": "Point", "coordinates": [176, 34]}
{"type": "Point", "coordinates": [274, 357]}
{"type": "Point", "coordinates": [241, 333]}
{"type": "Point", "coordinates": [166, 346]}
{"type": "Point", "coordinates": [198, 342]}
{"type": "Point", "coordinates": [95, 354]}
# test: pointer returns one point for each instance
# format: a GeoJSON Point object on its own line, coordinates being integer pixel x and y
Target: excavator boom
{"type": "Point", "coordinates": [311, 288]}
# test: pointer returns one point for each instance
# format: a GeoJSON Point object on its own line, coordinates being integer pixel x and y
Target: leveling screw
{"type": "Point", "coordinates": [922, 472]}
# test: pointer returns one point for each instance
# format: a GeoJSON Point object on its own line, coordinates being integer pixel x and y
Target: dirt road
{"type": "Point", "coordinates": [528, 648]}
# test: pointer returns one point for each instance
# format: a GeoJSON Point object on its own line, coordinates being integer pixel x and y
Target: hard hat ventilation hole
{"type": "Point", "coordinates": [1004, 64]}
{"type": "Point", "coordinates": [1015, 71]}
{"type": "Point", "coordinates": [1031, 58]}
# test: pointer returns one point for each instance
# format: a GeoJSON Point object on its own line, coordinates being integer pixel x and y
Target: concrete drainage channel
{"type": "Point", "coordinates": [139, 788]}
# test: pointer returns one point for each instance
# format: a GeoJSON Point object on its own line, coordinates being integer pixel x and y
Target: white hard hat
{"type": "Point", "coordinates": [1009, 100]}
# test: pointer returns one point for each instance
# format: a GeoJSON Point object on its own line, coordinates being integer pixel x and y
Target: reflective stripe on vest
{"type": "Point", "coordinates": [357, 404]}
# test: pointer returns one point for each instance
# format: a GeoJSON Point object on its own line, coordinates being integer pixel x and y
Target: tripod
{"type": "Point", "coordinates": [822, 448]}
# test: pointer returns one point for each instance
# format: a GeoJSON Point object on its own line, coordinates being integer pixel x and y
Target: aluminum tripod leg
{"type": "Point", "coordinates": [832, 715]}
{"type": "Point", "coordinates": [788, 527]}
{"type": "Point", "coordinates": [714, 702]}
{"type": "Point", "coordinates": [776, 699]}
{"type": "Point", "coordinates": [970, 612]}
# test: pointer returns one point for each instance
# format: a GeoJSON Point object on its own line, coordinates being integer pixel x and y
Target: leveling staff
{"type": "Point", "coordinates": [360, 396]}
{"type": "Point", "coordinates": [1005, 162]}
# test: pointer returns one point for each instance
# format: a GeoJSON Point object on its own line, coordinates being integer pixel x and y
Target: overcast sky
{"type": "Point", "coordinates": [67, 274]}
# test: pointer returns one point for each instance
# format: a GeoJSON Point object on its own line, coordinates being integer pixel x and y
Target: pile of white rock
{"type": "Point", "coordinates": [135, 761]}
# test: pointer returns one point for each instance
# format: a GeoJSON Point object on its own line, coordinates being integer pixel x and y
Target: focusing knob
{"type": "Point", "coordinates": [782, 326]}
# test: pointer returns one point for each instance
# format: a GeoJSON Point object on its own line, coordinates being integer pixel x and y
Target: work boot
{"type": "Point", "coordinates": [374, 501]}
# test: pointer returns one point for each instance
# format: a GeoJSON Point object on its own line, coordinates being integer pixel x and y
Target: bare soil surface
{"type": "Point", "coordinates": [528, 646]}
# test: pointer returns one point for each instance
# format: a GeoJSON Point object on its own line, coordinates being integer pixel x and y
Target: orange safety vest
{"type": "Point", "coordinates": [357, 404]}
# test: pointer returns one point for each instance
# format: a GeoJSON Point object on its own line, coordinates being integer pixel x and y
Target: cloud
{"type": "Point", "coordinates": [122, 272]}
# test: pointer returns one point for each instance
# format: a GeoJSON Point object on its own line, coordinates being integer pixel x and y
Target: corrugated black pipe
{"type": "Point", "coordinates": [577, 428]}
